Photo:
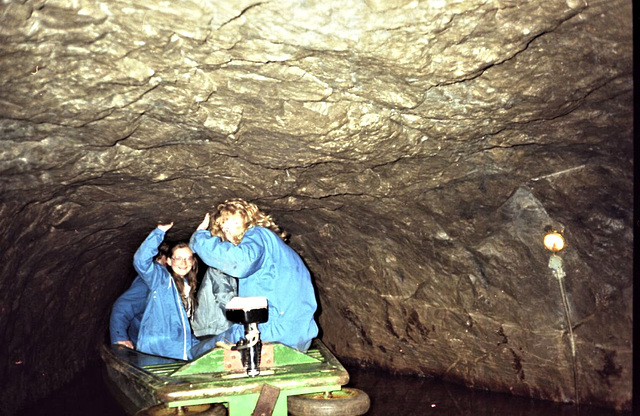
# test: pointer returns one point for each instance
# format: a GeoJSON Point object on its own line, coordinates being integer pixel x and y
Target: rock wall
{"type": "Point", "coordinates": [416, 151]}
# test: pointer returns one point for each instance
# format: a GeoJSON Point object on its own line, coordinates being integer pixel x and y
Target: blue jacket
{"type": "Point", "coordinates": [165, 328]}
{"type": "Point", "coordinates": [127, 311]}
{"type": "Point", "coordinates": [266, 266]}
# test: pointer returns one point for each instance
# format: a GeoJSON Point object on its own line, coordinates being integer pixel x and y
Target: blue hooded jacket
{"type": "Point", "coordinates": [165, 328]}
{"type": "Point", "coordinates": [127, 311]}
{"type": "Point", "coordinates": [266, 266]}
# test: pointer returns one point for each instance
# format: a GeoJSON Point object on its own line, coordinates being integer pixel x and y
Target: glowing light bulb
{"type": "Point", "coordinates": [553, 241]}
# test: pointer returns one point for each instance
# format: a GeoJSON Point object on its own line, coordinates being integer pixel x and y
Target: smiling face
{"type": "Point", "coordinates": [181, 261]}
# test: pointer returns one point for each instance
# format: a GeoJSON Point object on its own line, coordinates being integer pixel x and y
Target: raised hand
{"type": "Point", "coordinates": [205, 223]}
{"type": "Point", "coordinates": [165, 227]}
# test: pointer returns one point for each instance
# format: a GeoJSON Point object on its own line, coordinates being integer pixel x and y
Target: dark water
{"type": "Point", "coordinates": [87, 395]}
{"type": "Point", "coordinates": [403, 395]}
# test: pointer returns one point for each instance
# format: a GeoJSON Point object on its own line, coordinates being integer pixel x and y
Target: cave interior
{"type": "Point", "coordinates": [416, 151]}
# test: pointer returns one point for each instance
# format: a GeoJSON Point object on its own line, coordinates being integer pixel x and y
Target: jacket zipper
{"type": "Point", "coordinates": [184, 329]}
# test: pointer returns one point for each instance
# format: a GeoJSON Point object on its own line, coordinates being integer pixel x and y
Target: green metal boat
{"type": "Point", "coordinates": [288, 382]}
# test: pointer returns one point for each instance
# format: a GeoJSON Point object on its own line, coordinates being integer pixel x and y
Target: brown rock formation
{"type": "Point", "coordinates": [416, 150]}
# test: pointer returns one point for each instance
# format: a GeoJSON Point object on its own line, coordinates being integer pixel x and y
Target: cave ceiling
{"type": "Point", "coordinates": [415, 150]}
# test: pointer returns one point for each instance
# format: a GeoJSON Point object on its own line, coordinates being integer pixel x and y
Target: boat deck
{"type": "Point", "coordinates": [148, 380]}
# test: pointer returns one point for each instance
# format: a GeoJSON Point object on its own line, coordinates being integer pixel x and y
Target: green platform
{"type": "Point", "coordinates": [145, 380]}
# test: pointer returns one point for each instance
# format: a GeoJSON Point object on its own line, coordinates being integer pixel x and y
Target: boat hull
{"type": "Point", "coordinates": [141, 381]}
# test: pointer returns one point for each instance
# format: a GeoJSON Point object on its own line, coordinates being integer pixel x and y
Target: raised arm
{"type": "Point", "coordinates": [143, 261]}
{"type": "Point", "coordinates": [238, 261]}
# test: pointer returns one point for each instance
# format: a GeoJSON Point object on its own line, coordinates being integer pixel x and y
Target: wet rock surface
{"type": "Point", "coordinates": [416, 151]}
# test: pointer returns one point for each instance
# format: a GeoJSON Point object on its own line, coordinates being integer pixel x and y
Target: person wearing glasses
{"type": "Point", "coordinates": [127, 310]}
{"type": "Point", "coordinates": [245, 243]}
{"type": "Point", "coordinates": [165, 329]}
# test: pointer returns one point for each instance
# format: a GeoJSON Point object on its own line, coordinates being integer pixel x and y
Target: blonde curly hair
{"type": "Point", "coordinates": [250, 213]}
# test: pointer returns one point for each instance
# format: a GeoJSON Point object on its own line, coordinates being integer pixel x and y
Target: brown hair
{"type": "Point", "coordinates": [163, 251]}
{"type": "Point", "coordinates": [192, 276]}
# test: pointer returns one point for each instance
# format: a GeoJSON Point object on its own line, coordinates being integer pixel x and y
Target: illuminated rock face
{"type": "Point", "coordinates": [415, 151]}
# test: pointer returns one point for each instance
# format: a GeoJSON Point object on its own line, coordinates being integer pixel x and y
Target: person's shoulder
{"type": "Point", "coordinates": [266, 236]}
{"type": "Point", "coordinates": [212, 272]}
{"type": "Point", "coordinates": [260, 235]}
{"type": "Point", "coordinates": [262, 231]}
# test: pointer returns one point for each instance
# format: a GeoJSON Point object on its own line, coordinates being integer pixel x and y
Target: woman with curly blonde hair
{"type": "Point", "coordinates": [246, 243]}
{"type": "Point", "coordinates": [251, 217]}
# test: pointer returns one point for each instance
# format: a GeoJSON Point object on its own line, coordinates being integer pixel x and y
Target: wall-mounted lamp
{"type": "Point", "coordinates": [554, 241]}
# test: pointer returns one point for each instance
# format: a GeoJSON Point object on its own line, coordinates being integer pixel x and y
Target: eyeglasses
{"type": "Point", "coordinates": [182, 259]}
